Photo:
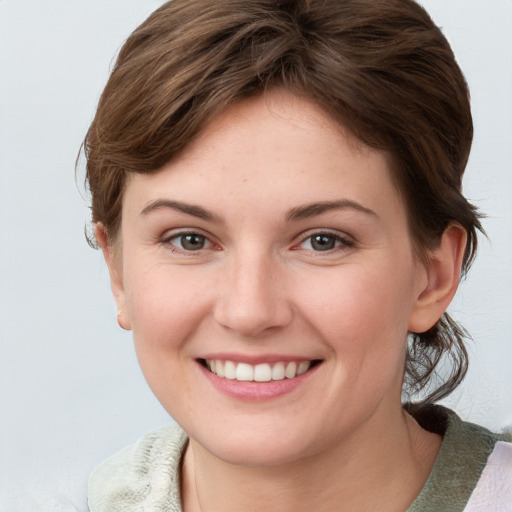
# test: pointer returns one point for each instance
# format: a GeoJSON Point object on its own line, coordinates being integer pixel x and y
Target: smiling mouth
{"type": "Point", "coordinates": [264, 372]}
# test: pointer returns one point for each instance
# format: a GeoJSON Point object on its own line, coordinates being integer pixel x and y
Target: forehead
{"type": "Point", "coordinates": [277, 149]}
{"type": "Point", "coordinates": [280, 110]}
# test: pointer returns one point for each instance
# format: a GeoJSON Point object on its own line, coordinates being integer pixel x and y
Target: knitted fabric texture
{"type": "Point", "coordinates": [472, 472]}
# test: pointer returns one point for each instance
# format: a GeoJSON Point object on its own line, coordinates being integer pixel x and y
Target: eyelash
{"type": "Point", "coordinates": [341, 242]}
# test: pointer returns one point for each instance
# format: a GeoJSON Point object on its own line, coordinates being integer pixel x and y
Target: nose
{"type": "Point", "coordinates": [252, 299]}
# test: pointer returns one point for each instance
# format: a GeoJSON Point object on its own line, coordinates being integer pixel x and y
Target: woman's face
{"type": "Point", "coordinates": [275, 244]}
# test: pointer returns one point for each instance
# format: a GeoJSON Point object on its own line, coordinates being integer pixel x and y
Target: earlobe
{"type": "Point", "coordinates": [443, 276]}
{"type": "Point", "coordinates": [115, 271]}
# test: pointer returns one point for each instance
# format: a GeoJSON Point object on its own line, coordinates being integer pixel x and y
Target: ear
{"type": "Point", "coordinates": [443, 275]}
{"type": "Point", "coordinates": [115, 270]}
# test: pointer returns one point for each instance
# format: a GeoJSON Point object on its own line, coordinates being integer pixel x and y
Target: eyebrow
{"type": "Point", "coordinates": [297, 213]}
{"type": "Point", "coordinates": [312, 209]}
{"type": "Point", "coordinates": [189, 209]}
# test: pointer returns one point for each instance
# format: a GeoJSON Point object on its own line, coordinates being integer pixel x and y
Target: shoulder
{"type": "Point", "coordinates": [143, 476]}
{"type": "Point", "coordinates": [491, 456]}
{"type": "Point", "coordinates": [493, 491]}
{"type": "Point", "coordinates": [473, 470]}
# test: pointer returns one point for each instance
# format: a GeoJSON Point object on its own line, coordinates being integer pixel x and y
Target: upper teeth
{"type": "Point", "coordinates": [260, 372]}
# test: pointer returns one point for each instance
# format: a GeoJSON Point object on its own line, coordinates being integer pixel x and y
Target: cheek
{"type": "Point", "coordinates": [165, 306]}
{"type": "Point", "coordinates": [361, 312]}
{"type": "Point", "coordinates": [166, 309]}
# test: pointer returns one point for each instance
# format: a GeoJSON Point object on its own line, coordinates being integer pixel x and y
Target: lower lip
{"type": "Point", "coordinates": [257, 391]}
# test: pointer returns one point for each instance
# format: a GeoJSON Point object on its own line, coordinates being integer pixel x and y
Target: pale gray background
{"type": "Point", "coordinates": [70, 389]}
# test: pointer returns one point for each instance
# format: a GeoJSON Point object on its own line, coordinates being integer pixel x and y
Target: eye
{"type": "Point", "coordinates": [190, 242]}
{"type": "Point", "coordinates": [323, 242]}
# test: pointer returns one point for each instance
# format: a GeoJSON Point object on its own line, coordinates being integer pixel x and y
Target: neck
{"type": "Point", "coordinates": [369, 470]}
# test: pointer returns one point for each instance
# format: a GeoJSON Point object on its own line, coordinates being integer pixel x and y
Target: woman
{"type": "Point", "coordinates": [276, 188]}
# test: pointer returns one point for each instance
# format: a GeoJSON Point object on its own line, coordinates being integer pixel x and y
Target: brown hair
{"type": "Point", "coordinates": [382, 69]}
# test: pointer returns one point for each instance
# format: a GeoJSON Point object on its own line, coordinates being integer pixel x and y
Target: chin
{"type": "Point", "coordinates": [251, 455]}
{"type": "Point", "coordinates": [262, 447]}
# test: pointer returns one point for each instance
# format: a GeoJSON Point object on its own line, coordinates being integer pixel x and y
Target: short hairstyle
{"type": "Point", "coordinates": [381, 68]}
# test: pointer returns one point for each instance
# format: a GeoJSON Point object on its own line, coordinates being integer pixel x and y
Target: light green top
{"type": "Point", "coordinates": [145, 477]}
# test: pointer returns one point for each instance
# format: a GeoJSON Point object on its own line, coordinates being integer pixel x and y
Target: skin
{"type": "Point", "coordinates": [258, 286]}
